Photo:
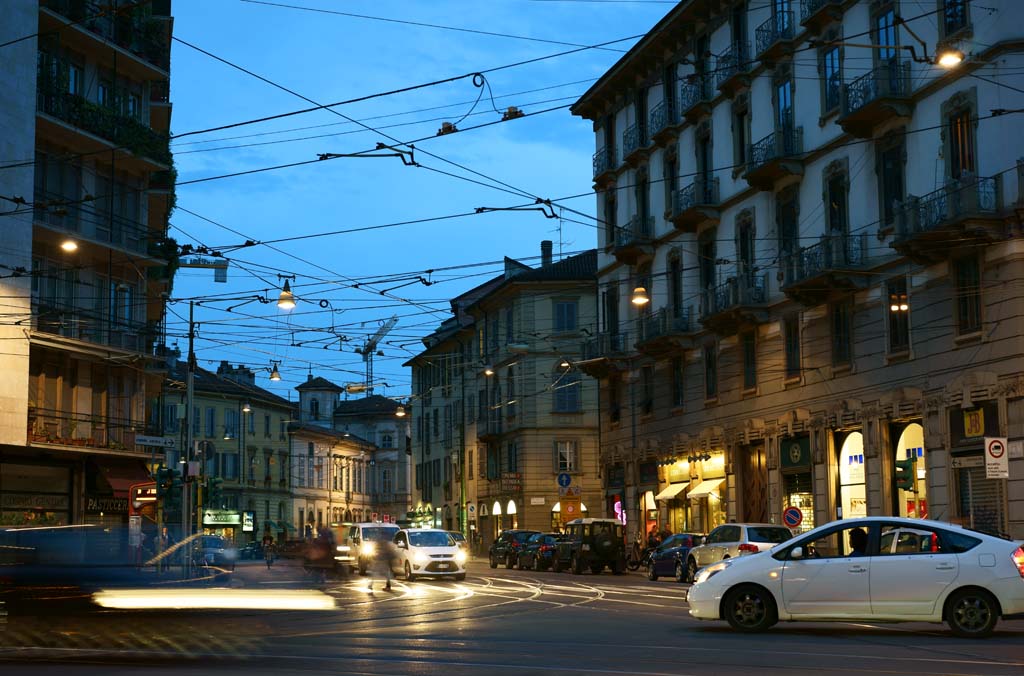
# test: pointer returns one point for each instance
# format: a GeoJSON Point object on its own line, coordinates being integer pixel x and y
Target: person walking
{"type": "Point", "coordinates": [384, 554]}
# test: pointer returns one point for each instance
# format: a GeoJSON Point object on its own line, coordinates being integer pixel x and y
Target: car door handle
{"type": "Point", "coordinates": [945, 567]}
{"type": "Point", "coordinates": [858, 570]}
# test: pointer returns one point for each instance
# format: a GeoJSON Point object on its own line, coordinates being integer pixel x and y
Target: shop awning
{"type": "Point", "coordinates": [705, 487]}
{"type": "Point", "coordinates": [121, 475]}
{"type": "Point", "coordinates": [284, 525]}
{"type": "Point", "coordinates": [672, 491]}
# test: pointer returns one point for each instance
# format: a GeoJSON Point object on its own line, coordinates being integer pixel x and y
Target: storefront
{"type": "Point", "coordinates": [647, 507]}
{"type": "Point", "coordinates": [672, 498]}
{"type": "Point", "coordinates": [708, 495]}
{"type": "Point", "coordinates": [980, 501]}
{"type": "Point", "coordinates": [223, 522]}
{"type": "Point", "coordinates": [108, 483]}
{"type": "Point", "coordinates": [909, 445]}
{"type": "Point", "coordinates": [853, 500]}
{"type": "Point", "coordinates": [797, 483]}
{"type": "Point", "coordinates": [35, 494]}
{"type": "Point", "coordinates": [556, 516]}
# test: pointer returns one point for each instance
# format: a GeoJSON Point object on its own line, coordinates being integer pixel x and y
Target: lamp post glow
{"type": "Point", "coordinates": [640, 296]}
{"type": "Point", "coordinates": [286, 301]}
{"type": "Point", "coordinates": [69, 246]}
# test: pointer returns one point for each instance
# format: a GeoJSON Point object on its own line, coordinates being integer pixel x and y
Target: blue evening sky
{"type": "Point", "coordinates": [328, 57]}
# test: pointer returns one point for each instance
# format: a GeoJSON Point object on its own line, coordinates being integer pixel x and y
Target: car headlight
{"type": "Point", "coordinates": [707, 573]}
{"type": "Point", "coordinates": [344, 548]}
{"type": "Point", "coordinates": [419, 558]}
{"type": "Point", "coordinates": [368, 549]}
{"type": "Point", "coordinates": [460, 556]}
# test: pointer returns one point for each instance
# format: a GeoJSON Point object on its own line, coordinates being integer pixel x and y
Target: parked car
{"type": "Point", "coordinates": [507, 547]}
{"type": "Point", "coordinates": [734, 539]}
{"type": "Point", "coordinates": [460, 539]}
{"type": "Point", "coordinates": [593, 544]}
{"type": "Point", "coordinates": [539, 551]}
{"type": "Point", "coordinates": [356, 543]}
{"type": "Point", "coordinates": [858, 570]}
{"type": "Point", "coordinates": [670, 556]}
{"type": "Point", "coordinates": [219, 551]}
{"type": "Point", "coordinates": [250, 551]}
{"type": "Point", "coordinates": [428, 551]}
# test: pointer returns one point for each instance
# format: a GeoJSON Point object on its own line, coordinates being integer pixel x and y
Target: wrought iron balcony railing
{"type": "Point", "coordinates": [784, 143]}
{"type": "Point", "coordinates": [890, 80]}
{"type": "Point", "coordinates": [833, 252]}
{"type": "Point", "coordinates": [53, 426]}
{"type": "Point", "coordinates": [694, 91]}
{"type": "Point", "coordinates": [735, 292]}
{"type": "Point", "coordinates": [701, 191]}
{"type": "Point", "coordinates": [606, 345]}
{"type": "Point", "coordinates": [79, 324]}
{"type": "Point", "coordinates": [732, 62]}
{"type": "Point", "coordinates": [604, 161]}
{"type": "Point", "coordinates": [133, 29]}
{"type": "Point", "coordinates": [633, 139]}
{"type": "Point", "coordinates": [969, 196]}
{"type": "Point", "coordinates": [663, 116]}
{"type": "Point", "coordinates": [666, 322]}
{"type": "Point", "coordinates": [776, 29]}
{"type": "Point", "coordinates": [808, 8]}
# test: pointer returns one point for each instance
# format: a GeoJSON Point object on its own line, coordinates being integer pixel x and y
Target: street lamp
{"type": "Point", "coordinates": [640, 296]}
{"type": "Point", "coordinates": [275, 375]}
{"type": "Point", "coordinates": [69, 246]}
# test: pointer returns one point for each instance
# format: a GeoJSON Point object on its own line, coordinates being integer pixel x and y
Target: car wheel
{"type": "Point", "coordinates": [619, 568]}
{"type": "Point", "coordinates": [409, 577]}
{"type": "Point", "coordinates": [575, 565]}
{"type": "Point", "coordinates": [749, 608]}
{"type": "Point", "coordinates": [492, 561]}
{"type": "Point", "coordinates": [652, 572]}
{"type": "Point", "coordinates": [972, 613]}
{"type": "Point", "coordinates": [680, 575]}
{"type": "Point", "coordinates": [510, 562]}
{"type": "Point", "coordinates": [556, 564]}
{"type": "Point", "coordinates": [460, 577]}
{"type": "Point", "coordinates": [596, 569]}
{"type": "Point", "coordinates": [691, 570]}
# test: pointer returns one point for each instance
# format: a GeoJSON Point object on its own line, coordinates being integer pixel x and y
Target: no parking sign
{"type": "Point", "coordinates": [793, 517]}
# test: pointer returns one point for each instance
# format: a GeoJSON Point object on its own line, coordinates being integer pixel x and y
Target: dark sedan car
{"type": "Point", "coordinates": [670, 557]}
{"type": "Point", "coordinates": [507, 547]}
{"type": "Point", "coordinates": [539, 551]}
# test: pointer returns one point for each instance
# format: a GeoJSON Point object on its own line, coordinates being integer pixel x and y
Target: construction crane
{"type": "Point", "coordinates": [369, 349]}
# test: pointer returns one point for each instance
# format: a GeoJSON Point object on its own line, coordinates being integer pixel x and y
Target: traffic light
{"type": "Point", "coordinates": [168, 490]}
{"type": "Point", "coordinates": [213, 491]}
{"type": "Point", "coordinates": [163, 482]}
{"type": "Point", "coordinates": [905, 474]}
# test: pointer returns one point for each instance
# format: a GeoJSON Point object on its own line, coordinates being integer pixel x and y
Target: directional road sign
{"type": "Point", "coordinates": [564, 479]}
{"type": "Point", "coordinates": [160, 442]}
{"type": "Point", "coordinates": [569, 491]}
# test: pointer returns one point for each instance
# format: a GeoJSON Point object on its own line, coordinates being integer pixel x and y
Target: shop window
{"type": "Point", "coordinates": [852, 494]}
{"type": "Point", "coordinates": [912, 503]}
{"type": "Point", "coordinates": [981, 501]}
{"type": "Point", "coordinates": [798, 492]}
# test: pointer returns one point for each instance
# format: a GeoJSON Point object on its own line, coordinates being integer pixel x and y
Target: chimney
{"type": "Point", "coordinates": [545, 253]}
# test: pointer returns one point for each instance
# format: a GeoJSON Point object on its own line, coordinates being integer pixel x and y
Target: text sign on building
{"type": "Point", "coordinates": [248, 522]}
{"type": "Point", "coordinates": [997, 461]}
{"type": "Point", "coordinates": [159, 442]}
{"type": "Point", "coordinates": [221, 517]}
{"type": "Point", "coordinates": [568, 491]}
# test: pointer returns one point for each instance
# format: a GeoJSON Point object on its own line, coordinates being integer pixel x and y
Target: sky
{"type": "Point", "coordinates": [359, 234]}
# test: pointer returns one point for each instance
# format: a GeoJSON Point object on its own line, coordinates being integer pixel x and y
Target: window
{"type": "Point", "coordinates": [710, 371]}
{"type": "Point", "coordinates": [890, 177]}
{"type": "Point", "coordinates": [492, 462]}
{"type": "Point", "coordinates": [647, 383]}
{"type": "Point", "coordinates": [611, 310]}
{"type": "Point", "coordinates": [387, 441]}
{"type": "Point", "coordinates": [565, 316]}
{"type": "Point", "coordinates": [740, 131]}
{"type": "Point", "coordinates": [784, 104]}
{"type": "Point", "coordinates": [961, 144]}
{"type": "Point", "coordinates": [196, 421]}
{"type": "Point", "coordinates": [567, 392]}
{"type": "Point", "coordinates": [314, 409]}
{"type": "Point", "coordinates": [968, 295]}
{"type": "Point", "coordinates": [230, 423]}
{"type": "Point", "coordinates": [675, 288]}
{"type": "Point", "coordinates": [565, 456]}
{"type": "Point", "coordinates": [512, 457]}
{"type": "Point", "coordinates": [707, 256]}
{"type": "Point", "coordinates": [282, 429]}
{"type": "Point", "coordinates": [841, 334]}
{"type": "Point", "coordinates": [610, 220]}
{"type": "Point", "coordinates": [230, 466]}
{"type": "Point", "coordinates": [745, 250]}
{"type": "Point", "coordinates": [614, 407]}
{"type": "Point", "coordinates": [885, 35]}
{"type": "Point", "coordinates": [252, 424]}
{"type": "Point", "coordinates": [831, 81]}
{"type": "Point", "coordinates": [899, 315]}
{"type": "Point", "coordinates": [791, 338]}
{"type": "Point", "coordinates": [836, 207]}
{"type": "Point", "coordinates": [436, 423]}
{"type": "Point", "coordinates": [677, 382]}
{"type": "Point", "coordinates": [170, 418]}
{"type": "Point", "coordinates": [670, 168]}
{"type": "Point", "coordinates": [211, 422]}
{"type": "Point", "coordinates": [643, 205]}
{"type": "Point", "coordinates": [786, 218]}
{"type": "Point", "coordinates": [748, 343]}
{"type": "Point", "coordinates": [954, 16]}
{"type": "Point", "coordinates": [266, 426]}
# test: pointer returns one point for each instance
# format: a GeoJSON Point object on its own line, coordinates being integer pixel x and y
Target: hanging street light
{"type": "Point", "coordinates": [246, 407]}
{"type": "Point", "coordinates": [640, 296]}
{"type": "Point", "coordinates": [275, 375]}
{"type": "Point", "coordinates": [286, 301]}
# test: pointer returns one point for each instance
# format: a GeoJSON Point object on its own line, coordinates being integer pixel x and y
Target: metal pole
{"type": "Point", "coordinates": [186, 506]}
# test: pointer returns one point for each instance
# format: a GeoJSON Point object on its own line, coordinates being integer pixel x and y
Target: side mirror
{"type": "Point", "coordinates": [401, 545]}
{"type": "Point", "coordinates": [702, 540]}
{"type": "Point", "coordinates": [796, 553]}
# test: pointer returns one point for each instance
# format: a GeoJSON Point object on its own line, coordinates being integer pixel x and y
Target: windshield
{"type": "Point", "coordinates": [379, 534]}
{"type": "Point", "coordinates": [214, 542]}
{"type": "Point", "coordinates": [430, 539]}
{"type": "Point", "coordinates": [768, 534]}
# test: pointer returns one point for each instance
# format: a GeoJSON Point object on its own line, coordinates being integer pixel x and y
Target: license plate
{"type": "Point", "coordinates": [442, 566]}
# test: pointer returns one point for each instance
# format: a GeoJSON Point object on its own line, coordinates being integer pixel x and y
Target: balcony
{"type": "Point", "coordinates": [733, 67]}
{"type": "Point", "coordinates": [835, 265]}
{"type": "Point", "coordinates": [604, 165]}
{"type": "Point", "coordinates": [113, 231]}
{"type": "Point", "coordinates": [634, 243]}
{"type": "Point", "coordinates": [878, 96]}
{"type": "Point", "coordinates": [75, 323]}
{"type": "Point", "coordinates": [145, 37]}
{"type": "Point", "coordinates": [82, 431]}
{"type": "Point", "coordinates": [604, 354]}
{"type": "Point", "coordinates": [963, 214]}
{"type": "Point", "coordinates": [695, 98]}
{"type": "Point", "coordinates": [634, 144]}
{"type": "Point", "coordinates": [664, 121]}
{"type": "Point", "coordinates": [490, 429]}
{"type": "Point", "coordinates": [774, 37]}
{"type": "Point", "coordinates": [695, 204]}
{"type": "Point", "coordinates": [776, 156]}
{"type": "Point", "coordinates": [105, 123]}
{"type": "Point", "coordinates": [816, 14]}
{"type": "Point", "coordinates": [666, 332]}
{"type": "Point", "coordinates": [160, 105]}
{"type": "Point", "coordinates": [736, 304]}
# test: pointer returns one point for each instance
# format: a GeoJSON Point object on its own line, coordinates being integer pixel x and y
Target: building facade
{"type": "Point", "coordinates": [827, 223]}
{"type": "Point", "coordinates": [86, 202]}
{"type": "Point", "coordinates": [499, 411]}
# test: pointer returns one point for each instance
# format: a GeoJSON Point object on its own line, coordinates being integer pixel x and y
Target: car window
{"type": "Point", "coordinates": [715, 536]}
{"type": "Point", "coordinates": [550, 539]}
{"type": "Point", "coordinates": [430, 539]}
{"type": "Point", "coordinates": [522, 536]}
{"type": "Point", "coordinates": [901, 539]}
{"type": "Point", "coordinates": [604, 530]}
{"type": "Point", "coordinates": [768, 534]}
{"type": "Point", "coordinates": [958, 543]}
{"type": "Point", "coordinates": [730, 534]}
{"type": "Point", "coordinates": [379, 534]}
{"type": "Point", "coordinates": [850, 540]}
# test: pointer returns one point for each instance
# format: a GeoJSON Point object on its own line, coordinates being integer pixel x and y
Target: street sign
{"type": "Point", "coordinates": [134, 531]}
{"type": "Point", "coordinates": [159, 442]}
{"type": "Point", "coordinates": [569, 491]}
{"type": "Point", "coordinates": [793, 517]}
{"type": "Point", "coordinates": [570, 508]}
{"type": "Point", "coordinates": [997, 461]}
{"type": "Point", "coordinates": [564, 479]}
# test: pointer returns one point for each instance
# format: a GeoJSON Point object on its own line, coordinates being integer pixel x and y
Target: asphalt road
{"type": "Point", "coordinates": [496, 622]}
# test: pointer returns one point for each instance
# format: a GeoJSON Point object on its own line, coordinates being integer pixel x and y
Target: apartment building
{"type": "Point", "coordinates": [498, 408]}
{"type": "Point", "coordinates": [825, 217]}
{"type": "Point", "coordinates": [87, 188]}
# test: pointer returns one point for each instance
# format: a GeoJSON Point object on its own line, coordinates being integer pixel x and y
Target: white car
{"type": "Point", "coordinates": [870, 569]}
{"type": "Point", "coordinates": [429, 551]}
{"type": "Point", "coordinates": [734, 539]}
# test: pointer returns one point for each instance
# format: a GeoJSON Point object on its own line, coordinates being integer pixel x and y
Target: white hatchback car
{"type": "Point", "coordinates": [429, 551]}
{"type": "Point", "coordinates": [876, 568]}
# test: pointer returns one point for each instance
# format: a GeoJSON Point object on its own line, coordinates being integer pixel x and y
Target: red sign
{"type": "Point", "coordinates": [374, 516]}
{"type": "Point", "coordinates": [793, 517]}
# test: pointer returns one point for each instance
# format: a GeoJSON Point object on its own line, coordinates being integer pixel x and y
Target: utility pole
{"type": "Point", "coordinates": [186, 511]}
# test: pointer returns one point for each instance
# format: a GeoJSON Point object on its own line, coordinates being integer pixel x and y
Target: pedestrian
{"type": "Point", "coordinates": [268, 549]}
{"type": "Point", "coordinates": [384, 555]}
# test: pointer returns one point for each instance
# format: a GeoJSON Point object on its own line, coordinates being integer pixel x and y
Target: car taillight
{"type": "Point", "coordinates": [1018, 560]}
{"type": "Point", "coordinates": [515, 545]}
{"type": "Point", "coordinates": [546, 548]}
{"type": "Point", "coordinates": [747, 547]}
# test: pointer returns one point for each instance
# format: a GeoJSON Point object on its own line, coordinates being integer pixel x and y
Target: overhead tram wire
{"type": "Point", "coordinates": [76, 22]}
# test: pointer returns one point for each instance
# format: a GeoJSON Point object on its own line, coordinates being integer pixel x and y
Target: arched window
{"type": "Point", "coordinates": [387, 441]}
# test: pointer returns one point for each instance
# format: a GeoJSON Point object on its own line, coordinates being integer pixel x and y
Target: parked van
{"type": "Point", "coordinates": [357, 543]}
